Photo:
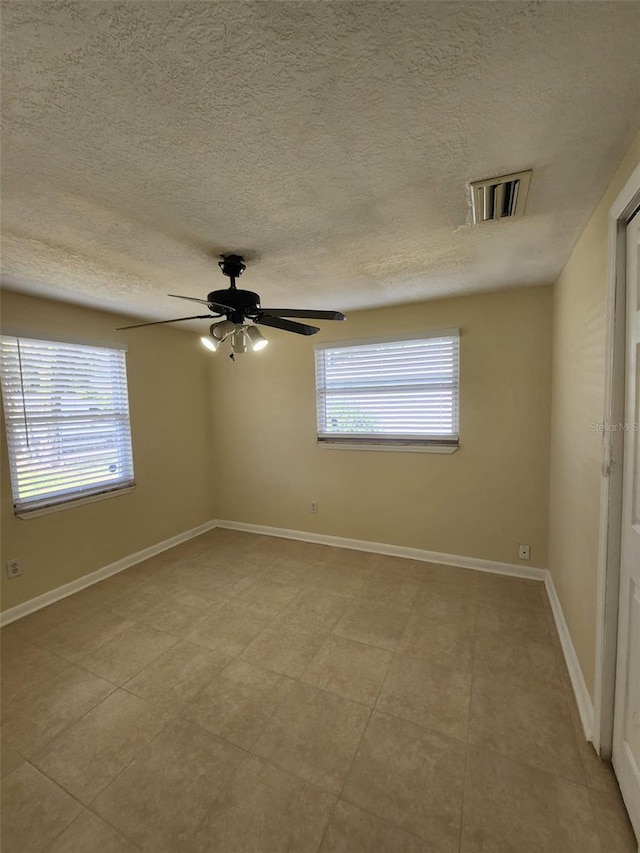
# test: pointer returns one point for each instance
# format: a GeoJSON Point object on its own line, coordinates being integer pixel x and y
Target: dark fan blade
{"type": "Point", "coordinates": [160, 322]}
{"type": "Point", "coordinates": [215, 305]}
{"type": "Point", "coordinates": [312, 315]}
{"type": "Point", "coordinates": [287, 325]}
{"type": "Point", "coordinates": [190, 298]}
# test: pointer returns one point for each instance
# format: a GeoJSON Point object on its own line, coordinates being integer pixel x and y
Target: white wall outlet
{"type": "Point", "coordinates": [14, 568]}
{"type": "Point", "coordinates": [313, 507]}
{"type": "Point", "coordinates": [524, 552]}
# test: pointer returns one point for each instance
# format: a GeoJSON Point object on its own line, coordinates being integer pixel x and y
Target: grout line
{"type": "Point", "coordinates": [353, 758]}
{"type": "Point", "coordinates": [372, 710]}
{"type": "Point", "coordinates": [466, 760]}
{"type": "Point", "coordinates": [84, 808]}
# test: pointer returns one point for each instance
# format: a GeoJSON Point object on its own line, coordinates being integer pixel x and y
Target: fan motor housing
{"type": "Point", "coordinates": [242, 301]}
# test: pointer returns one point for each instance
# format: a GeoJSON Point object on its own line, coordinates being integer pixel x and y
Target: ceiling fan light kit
{"type": "Point", "coordinates": [256, 338]}
{"type": "Point", "coordinates": [221, 331]}
{"type": "Point", "coordinates": [238, 306]}
{"type": "Point", "coordinates": [210, 343]}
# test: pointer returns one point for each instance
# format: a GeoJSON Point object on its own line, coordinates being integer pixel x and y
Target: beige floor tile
{"type": "Point", "coordinates": [264, 810]}
{"type": "Point", "coordinates": [229, 629]}
{"type": "Point", "coordinates": [516, 621]}
{"type": "Point", "coordinates": [95, 596]}
{"type": "Point", "coordinates": [517, 658]}
{"type": "Point", "coordinates": [332, 618]}
{"type": "Point", "coordinates": [86, 757]}
{"type": "Point", "coordinates": [211, 580]}
{"type": "Point", "coordinates": [428, 694]}
{"type": "Point", "coordinates": [296, 572]}
{"type": "Point", "coordinates": [374, 623]}
{"type": "Point", "coordinates": [127, 653]}
{"type": "Point", "coordinates": [612, 822]}
{"type": "Point", "coordinates": [89, 632]}
{"type": "Point", "coordinates": [231, 556]}
{"type": "Point", "coordinates": [314, 610]}
{"type": "Point", "coordinates": [508, 591]}
{"type": "Point", "coordinates": [34, 811]}
{"type": "Point", "coordinates": [411, 777]}
{"type": "Point", "coordinates": [446, 604]}
{"type": "Point", "coordinates": [11, 639]}
{"type": "Point", "coordinates": [599, 773]}
{"type": "Point", "coordinates": [25, 666]}
{"type": "Point", "coordinates": [314, 734]}
{"type": "Point", "coordinates": [283, 649]}
{"type": "Point", "coordinates": [366, 560]}
{"type": "Point", "coordinates": [438, 640]}
{"type": "Point", "coordinates": [10, 759]}
{"type": "Point", "coordinates": [46, 708]}
{"type": "Point", "coordinates": [395, 591]}
{"type": "Point", "coordinates": [161, 797]}
{"type": "Point", "coordinates": [89, 834]}
{"type": "Point", "coordinates": [465, 580]}
{"type": "Point", "coordinates": [146, 597]}
{"type": "Point", "coordinates": [509, 807]}
{"type": "Point", "coordinates": [343, 580]}
{"type": "Point", "coordinates": [525, 721]}
{"type": "Point", "coordinates": [177, 676]}
{"type": "Point", "coordinates": [290, 549]}
{"type": "Point", "coordinates": [238, 702]}
{"type": "Point", "coordinates": [353, 831]}
{"type": "Point", "coordinates": [402, 567]}
{"type": "Point", "coordinates": [353, 670]}
{"type": "Point", "coordinates": [126, 582]}
{"type": "Point", "coordinates": [266, 598]}
{"type": "Point", "coordinates": [214, 587]}
{"type": "Point", "coordinates": [36, 625]}
{"type": "Point", "coordinates": [180, 616]}
{"type": "Point", "coordinates": [237, 583]}
{"type": "Point", "coordinates": [220, 537]}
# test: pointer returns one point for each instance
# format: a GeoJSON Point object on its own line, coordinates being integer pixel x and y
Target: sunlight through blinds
{"type": "Point", "coordinates": [403, 391]}
{"type": "Point", "coordinates": [67, 417]}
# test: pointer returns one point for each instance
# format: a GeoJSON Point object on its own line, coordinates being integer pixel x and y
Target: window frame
{"type": "Point", "coordinates": [35, 508]}
{"type": "Point", "coordinates": [351, 441]}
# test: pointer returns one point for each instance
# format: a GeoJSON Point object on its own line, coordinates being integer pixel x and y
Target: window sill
{"type": "Point", "coordinates": [26, 514]}
{"type": "Point", "coordinates": [401, 448]}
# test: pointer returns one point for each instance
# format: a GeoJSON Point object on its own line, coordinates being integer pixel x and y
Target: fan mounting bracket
{"type": "Point", "coordinates": [232, 266]}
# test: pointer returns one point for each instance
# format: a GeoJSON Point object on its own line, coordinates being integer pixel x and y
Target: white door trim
{"type": "Point", "coordinates": [611, 474]}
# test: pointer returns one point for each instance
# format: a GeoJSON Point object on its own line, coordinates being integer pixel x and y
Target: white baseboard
{"type": "Point", "coordinates": [585, 705]}
{"type": "Point", "coordinates": [583, 699]}
{"type": "Point", "coordinates": [512, 569]}
{"type": "Point", "coordinates": [47, 598]}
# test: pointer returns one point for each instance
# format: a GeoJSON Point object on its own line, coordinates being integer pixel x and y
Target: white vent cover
{"type": "Point", "coordinates": [499, 198]}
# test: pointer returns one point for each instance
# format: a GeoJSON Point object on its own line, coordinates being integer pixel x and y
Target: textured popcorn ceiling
{"type": "Point", "coordinates": [330, 141]}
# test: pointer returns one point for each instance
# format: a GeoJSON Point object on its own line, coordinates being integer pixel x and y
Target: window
{"type": "Point", "coordinates": [67, 416]}
{"type": "Point", "coordinates": [392, 393]}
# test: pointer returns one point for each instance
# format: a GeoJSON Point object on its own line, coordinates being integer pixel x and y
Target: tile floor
{"type": "Point", "coordinates": [246, 694]}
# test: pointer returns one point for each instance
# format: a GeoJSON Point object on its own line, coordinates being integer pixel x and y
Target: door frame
{"type": "Point", "coordinates": [609, 546]}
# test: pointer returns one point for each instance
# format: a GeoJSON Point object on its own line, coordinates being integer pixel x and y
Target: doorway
{"type": "Point", "coordinates": [617, 695]}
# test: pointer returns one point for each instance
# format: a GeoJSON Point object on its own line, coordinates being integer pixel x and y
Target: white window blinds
{"type": "Point", "coordinates": [67, 417]}
{"type": "Point", "coordinates": [402, 391]}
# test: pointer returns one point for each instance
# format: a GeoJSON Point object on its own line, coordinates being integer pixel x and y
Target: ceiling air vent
{"type": "Point", "coordinates": [499, 198]}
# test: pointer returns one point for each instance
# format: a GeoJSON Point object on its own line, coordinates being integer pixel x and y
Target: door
{"type": "Point", "coordinates": [626, 730]}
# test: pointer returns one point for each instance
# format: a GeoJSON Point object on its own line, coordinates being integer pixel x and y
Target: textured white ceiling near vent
{"type": "Point", "coordinates": [331, 141]}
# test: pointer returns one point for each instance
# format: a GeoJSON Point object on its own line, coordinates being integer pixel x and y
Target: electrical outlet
{"type": "Point", "coordinates": [524, 552]}
{"type": "Point", "coordinates": [14, 568]}
{"type": "Point", "coordinates": [313, 507]}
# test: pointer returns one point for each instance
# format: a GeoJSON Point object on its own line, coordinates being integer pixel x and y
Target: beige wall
{"type": "Point", "coordinates": [168, 387]}
{"type": "Point", "coordinates": [578, 401]}
{"type": "Point", "coordinates": [481, 501]}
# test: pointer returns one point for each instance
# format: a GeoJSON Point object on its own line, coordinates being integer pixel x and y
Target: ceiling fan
{"type": "Point", "coordinates": [238, 306]}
